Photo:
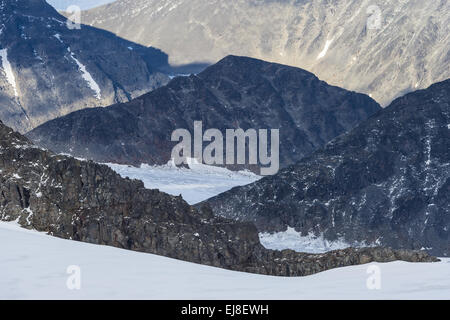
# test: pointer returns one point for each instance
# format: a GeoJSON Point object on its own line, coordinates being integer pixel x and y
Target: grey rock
{"type": "Point", "coordinates": [55, 69]}
{"type": "Point", "coordinates": [386, 182]}
{"type": "Point", "coordinates": [237, 92]}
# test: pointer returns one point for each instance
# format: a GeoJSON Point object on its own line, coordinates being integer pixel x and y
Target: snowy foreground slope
{"type": "Point", "coordinates": [196, 184]}
{"type": "Point", "coordinates": [34, 266]}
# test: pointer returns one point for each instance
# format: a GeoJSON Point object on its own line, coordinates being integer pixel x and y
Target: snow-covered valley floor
{"type": "Point", "coordinates": [198, 183]}
{"type": "Point", "coordinates": [291, 239]}
{"type": "Point", "coordinates": [34, 266]}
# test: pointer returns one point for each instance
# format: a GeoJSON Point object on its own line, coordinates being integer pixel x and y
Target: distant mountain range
{"type": "Point", "coordinates": [85, 201]}
{"type": "Point", "coordinates": [386, 182]}
{"type": "Point", "coordinates": [48, 70]}
{"type": "Point", "coordinates": [237, 92]}
{"type": "Point", "coordinates": [383, 48]}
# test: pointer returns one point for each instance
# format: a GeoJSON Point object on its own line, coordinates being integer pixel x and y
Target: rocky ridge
{"type": "Point", "coordinates": [386, 182]}
{"type": "Point", "coordinates": [88, 202]}
{"type": "Point", "coordinates": [237, 92]}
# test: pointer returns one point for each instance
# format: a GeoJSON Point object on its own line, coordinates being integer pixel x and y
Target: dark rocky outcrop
{"type": "Point", "coordinates": [237, 92]}
{"type": "Point", "coordinates": [89, 202]}
{"type": "Point", "coordinates": [54, 68]}
{"type": "Point", "coordinates": [386, 182]}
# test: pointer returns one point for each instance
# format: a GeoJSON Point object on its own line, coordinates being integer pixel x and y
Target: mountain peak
{"type": "Point", "coordinates": [386, 182]}
{"type": "Point", "coordinates": [246, 66]}
{"type": "Point", "coordinates": [30, 7]}
{"type": "Point", "coordinates": [93, 67]}
{"type": "Point", "coordinates": [237, 92]}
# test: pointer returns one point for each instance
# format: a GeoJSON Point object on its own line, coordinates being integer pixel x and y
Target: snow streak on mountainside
{"type": "Point", "coordinates": [383, 47]}
{"type": "Point", "coordinates": [34, 267]}
{"type": "Point", "coordinates": [48, 69]}
{"type": "Point", "coordinates": [6, 66]}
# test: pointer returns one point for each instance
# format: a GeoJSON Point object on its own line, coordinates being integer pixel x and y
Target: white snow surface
{"type": "Point", "coordinates": [179, 75]}
{"type": "Point", "coordinates": [87, 76]}
{"type": "Point", "coordinates": [34, 266]}
{"type": "Point", "coordinates": [58, 36]}
{"type": "Point", "coordinates": [6, 66]}
{"type": "Point", "coordinates": [325, 49]}
{"type": "Point", "coordinates": [196, 183]}
{"type": "Point", "coordinates": [291, 239]}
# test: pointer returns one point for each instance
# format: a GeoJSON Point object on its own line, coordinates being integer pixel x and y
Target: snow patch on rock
{"type": "Point", "coordinates": [293, 240]}
{"type": "Point", "coordinates": [87, 76]}
{"type": "Point", "coordinates": [325, 49]}
{"type": "Point", "coordinates": [6, 66]}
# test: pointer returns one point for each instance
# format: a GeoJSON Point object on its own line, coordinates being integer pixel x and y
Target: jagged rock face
{"type": "Point", "coordinates": [89, 202]}
{"type": "Point", "coordinates": [237, 92]}
{"type": "Point", "coordinates": [385, 182]}
{"type": "Point", "coordinates": [409, 51]}
{"type": "Point", "coordinates": [48, 70]}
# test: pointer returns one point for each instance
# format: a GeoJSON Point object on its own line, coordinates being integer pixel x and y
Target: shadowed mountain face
{"type": "Point", "coordinates": [89, 202]}
{"type": "Point", "coordinates": [48, 70]}
{"type": "Point", "coordinates": [237, 92]}
{"type": "Point", "coordinates": [386, 182]}
{"type": "Point", "coordinates": [385, 48]}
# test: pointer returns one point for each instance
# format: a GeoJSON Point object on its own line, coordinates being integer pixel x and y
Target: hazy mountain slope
{"type": "Point", "coordinates": [237, 92]}
{"type": "Point", "coordinates": [386, 182]}
{"type": "Point", "coordinates": [89, 202]}
{"type": "Point", "coordinates": [410, 50]}
{"type": "Point", "coordinates": [48, 70]}
{"type": "Point", "coordinates": [83, 4]}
